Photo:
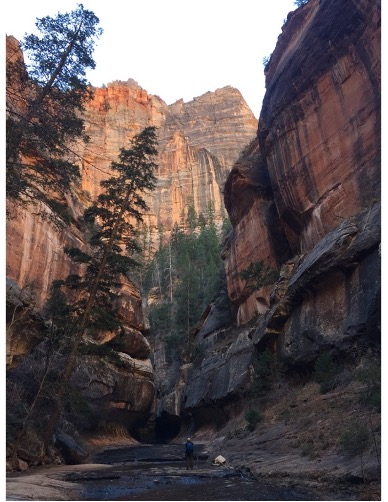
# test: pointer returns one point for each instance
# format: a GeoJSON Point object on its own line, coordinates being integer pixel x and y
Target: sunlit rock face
{"type": "Point", "coordinates": [198, 143]}
{"type": "Point", "coordinates": [257, 234]}
{"type": "Point", "coordinates": [35, 240]}
{"type": "Point", "coordinates": [315, 169]}
{"type": "Point", "coordinates": [320, 122]}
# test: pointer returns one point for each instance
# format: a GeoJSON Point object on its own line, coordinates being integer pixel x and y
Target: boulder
{"type": "Point", "coordinates": [220, 460]}
{"type": "Point", "coordinates": [71, 450]}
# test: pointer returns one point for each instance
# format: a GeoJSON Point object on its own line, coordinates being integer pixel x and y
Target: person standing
{"type": "Point", "coordinates": [189, 454]}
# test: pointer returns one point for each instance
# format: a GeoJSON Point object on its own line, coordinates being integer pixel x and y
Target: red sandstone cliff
{"type": "Point", "coordinates": [316, 161]}
{"type": "Point", "coordinates": [198, 143]}
{"type": "Point", "coordinates": [35, 243]}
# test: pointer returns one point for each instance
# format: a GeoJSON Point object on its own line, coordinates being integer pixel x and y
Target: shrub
{"type": "Point", "coordinates": [267, 371]}
{"type": "Point", "coordinates": [173, 344]}
{"type": "Point", "coordinates": [253, 417]}
{"type": "Point", "coordinates": [118, 342]}
{"type": "Point", "coordinates": [160, 318]}
{"type": "Point", "coordinates": [60, 209]}
{"type": "Point", "coordinates": [370, 376]}
{"type": "Point", "coordinates": [325, 372]}
{"type": "Point", "coordinates": [355, 440]}
{"type": "Point", "coordinates": [103, 351]}
{"type": "Point", "coordinates": [257, 274]}
{"type": "Point", "coordinates": [308, 449]}
{"type": "Point", "coordinates": [198, 353]}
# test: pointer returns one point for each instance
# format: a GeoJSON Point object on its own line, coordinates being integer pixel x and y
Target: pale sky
{"type": "Point", "coordinates": [173, 49]}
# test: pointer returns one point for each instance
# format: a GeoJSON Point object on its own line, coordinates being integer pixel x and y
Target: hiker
{"type": "Point", "coordinates": [189, 454]}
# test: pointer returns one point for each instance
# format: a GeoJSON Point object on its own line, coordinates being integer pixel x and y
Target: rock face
{"type": "Point", "coordinates": [312, 178]}
{"type": "Point", "coordinates": [119, 395]}
{"type": "Point", "coordinates": [332, 299]}
{"type": "Point", "coordinates": [36, 239]}
{"type": "Point", "coordinates": [205, 392]}
{"type": "Point", "coordinates": [198, 143]}
{"type": "Point", "coordinates": [320, 122]}
{"type": "Point", "coordinates": [304, 200]}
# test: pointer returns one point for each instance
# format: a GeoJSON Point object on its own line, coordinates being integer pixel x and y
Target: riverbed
{"type": "Point", "coordinates": [152, 472]}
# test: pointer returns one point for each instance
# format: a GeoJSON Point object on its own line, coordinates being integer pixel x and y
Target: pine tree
{"type": "Point", "coordinates": [113, 214]}
{"type": "Point", "coordinates": [188, 272]}
{"type": "Point", "coordinates": [44, 101]}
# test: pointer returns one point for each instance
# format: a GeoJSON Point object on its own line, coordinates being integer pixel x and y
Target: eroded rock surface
{"type": "Point", "coordinates": [198, 143]}
{"type": "Point", "coordinates": [316, 161]}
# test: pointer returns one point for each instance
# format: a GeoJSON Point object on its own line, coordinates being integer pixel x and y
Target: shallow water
{"type": "Point", "coordinates": [158, 473]}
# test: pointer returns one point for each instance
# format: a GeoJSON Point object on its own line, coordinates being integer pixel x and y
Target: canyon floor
{"type": "Point", "coordinates": [292, 454]}
{"type": "Point", "coordinates": [157, 472]}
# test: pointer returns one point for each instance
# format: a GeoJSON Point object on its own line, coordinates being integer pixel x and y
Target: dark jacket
{"type": "Point", "coordinates": [189, 448]}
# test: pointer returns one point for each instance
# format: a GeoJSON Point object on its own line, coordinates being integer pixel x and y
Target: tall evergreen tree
{"type": "Point", "coordinates": [44, 101]}
{"type": "Point", "coordinates": [113, 215]}
{"type": "Point", "coordinates": [188, 272]}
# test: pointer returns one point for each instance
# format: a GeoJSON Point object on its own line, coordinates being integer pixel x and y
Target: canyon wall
{"type": "Point", "coordinates": [305, 197]}
{"type": "Point", "coordinates": [199, 142]}
{"type": "Point", "coordinates": [304, 202]}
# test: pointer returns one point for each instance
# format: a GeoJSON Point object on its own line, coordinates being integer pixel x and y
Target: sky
{"type": "Point", "coordinates": [173, 49]}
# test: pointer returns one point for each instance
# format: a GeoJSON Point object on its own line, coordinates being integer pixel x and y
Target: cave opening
{"type": "Point", "coordinates": [161, 430]}
{"type": "Point", "coordinates": [167, 427]}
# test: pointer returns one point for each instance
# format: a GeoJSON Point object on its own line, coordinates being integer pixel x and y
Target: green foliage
{"type": "Point", "coordinates": [57, 306]}
{"type": "Point", "coordinates": [186, 272]}
{"type": "Point", "coordinates": [103, 351]}
{"type": "Point", "coordinates": [257, 274]}
{"type": "Point", "coordinates": [370, 376]}
{"type": "Point", "coordinates": [226, 227]}
{"type": "Point", "coordinates": [59, 208]}
{"type": "Point", "coordinates": [76, 404]}
{"type": "Point", "coordinates": [253, 417]}
{"type": "Point", "coordinates": [173, 345]}
{"type": "Point", "coordinates": [198, 353]}
{"type": "Point", "coordinates": [87, 301]}
{"type": "Point", "coordinates": [70, 36]}
{"type": "Point", "coordinates": [15, 414]}
{"type": "Point", "coordinates": [308, 449]}
{"type": "Point", "coordinates": [160, 317]}
{"type": "Point", "coordinates": [53, 90]}
{"type": "Point", "coordinates": [355, 440]}
{"type": "Point", "coordinates": [77, 255]}
{"type": "Point", "coordinates": [192, 219]}
{"type": "Point", "coordinates": [112, 234]}
{"type": "Point", "coordinates": [117, 343]}
{"type": "Point", "coordinates": [263, 376]}
{"type": "Point", "coordinates": [325, 372]}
